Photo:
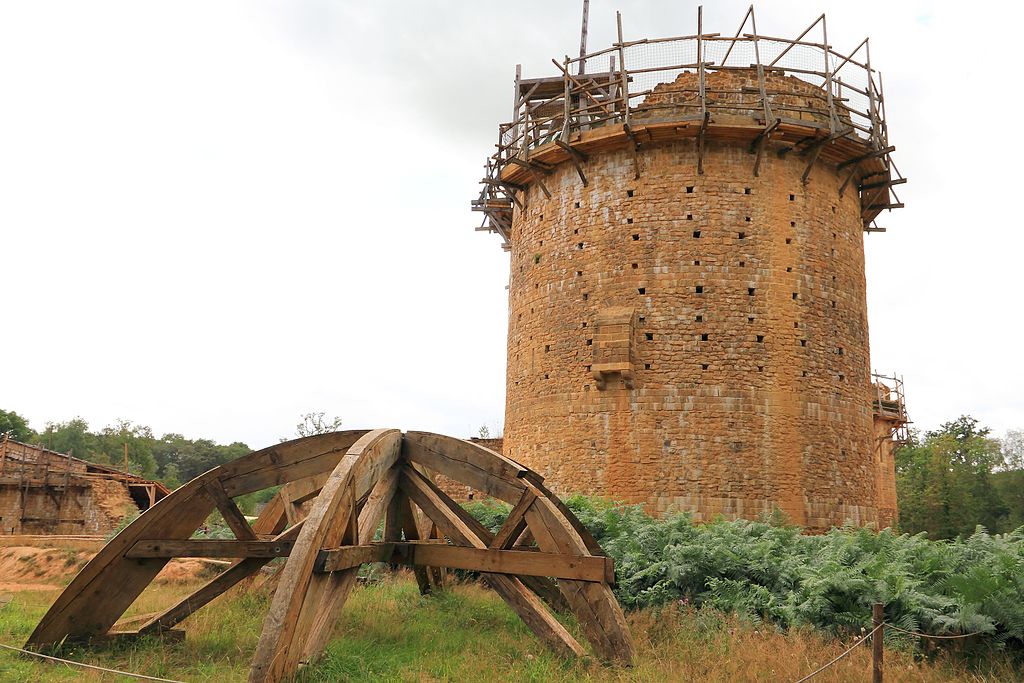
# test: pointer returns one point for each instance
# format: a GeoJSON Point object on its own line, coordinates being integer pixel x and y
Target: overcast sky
{"type": "Point", "coordinates": [217, 216]}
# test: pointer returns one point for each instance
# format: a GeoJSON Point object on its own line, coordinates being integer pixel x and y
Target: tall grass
{"type": "Point", "coordinates": [389, 632]}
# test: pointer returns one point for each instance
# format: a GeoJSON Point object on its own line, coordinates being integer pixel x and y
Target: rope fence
{"type": "Point", "coordinates": [876, 636]}
{"type": "Point", "coordinates": [69, 662]}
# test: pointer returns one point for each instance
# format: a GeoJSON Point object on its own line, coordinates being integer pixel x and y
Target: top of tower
{"type": "Point", "coordinates": [815, 102]}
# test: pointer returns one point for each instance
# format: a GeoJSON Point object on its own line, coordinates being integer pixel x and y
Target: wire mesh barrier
{"type": "Point", "coordinates": [700, 78]}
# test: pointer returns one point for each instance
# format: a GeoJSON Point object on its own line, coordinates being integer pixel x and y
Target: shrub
{"type": "Point", "coordinates": [770, 572]}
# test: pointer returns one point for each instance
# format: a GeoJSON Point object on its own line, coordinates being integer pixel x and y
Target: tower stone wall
{"type": "Point", "coordinates": [695, 342]}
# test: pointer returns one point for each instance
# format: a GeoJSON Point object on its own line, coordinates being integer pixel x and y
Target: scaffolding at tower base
{"type": "Point", "coordinates": [554, 119]}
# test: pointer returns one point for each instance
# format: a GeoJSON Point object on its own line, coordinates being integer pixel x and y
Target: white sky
{"type": "Point", "coordinates": [217, 216]}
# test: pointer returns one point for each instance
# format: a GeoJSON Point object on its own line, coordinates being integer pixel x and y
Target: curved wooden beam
{"type": "Point", "coordinates": [110, 582]}
{"type": "Point", "coordinates": [306, 604]}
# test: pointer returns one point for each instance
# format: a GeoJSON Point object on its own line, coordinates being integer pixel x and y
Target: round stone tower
{"type": "Point", "coordinates": [687, 308]}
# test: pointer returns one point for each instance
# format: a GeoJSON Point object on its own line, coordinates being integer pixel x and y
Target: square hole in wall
{"type": "Point", "coordinates": [789, 269]}
{"type": "Point", "coordinates": [636, 265]}
{"type": "Point", "coordinates": [760, 368]}
{"type": "Point", "coordinates": [795, 296]}
{"type": "Point", "coordinates": [699, 319]}
{"type": "Point", "coordinates": [647, 366]}
{"type": "Point", "coordinates": [579, 245]}
{"type": "Point", "coordinates": [833, 303]}
{"type": "Point", "coordinates": [842, 377]}
{"type": "Point", "coordinates": [797, 325]}
{"type": "Point", "coordinates": [629, 193]}
{"type": "Point", "coordinates": [750, 318]}
{"type": "Point", "coordinates": [629, 221]}
{"type": "Point", "coordinates": [750, 291]}
{"type": "Point", "coordinates": [699, 289]}
{"type": "Point", "coordinates": [696, 263]}
{"type": "Point", "coordinates": [792, 224]}
{"type": "Point", "coordinates": [747, 219]}
{"type": "Point", "coordinates": [792, 197]}
{"type": "Point", "coordinates": [743, 264]}
{"type": "Point", "coordinates": [584, 325]}
{"type": "Point", "coordinates": [743, 235]}
{"type": "Point", "coordinates": [703, 366]}
{"type": "Point", "coordinates": [689, 189]}
{"type": "Point", "coordinates": [586, 296]}
{"type": "Point", "coordinates": [577, 205]}
{"type": "Point", "coordinates": [547, 348]}
{"type": "Point", "coordinates": [696, 233]}
{"type": "Point", "coordinates": [641, 290]}
{"type": "Point", "coordinates": [704, 336]}
{"type": "Point", "coordinates": [649, 336]}
{"type": "Point", "coordinates": [576, 231]}
{"type": "Point", "coordinates": [590, 342]}
{"type": "Point", "coordinates": [579, 273]}
{"type": "Point", "coordinates": [839, 351]}
{"type": "Point", "coordinates": [803, 342]}
{"type": "Point", "coordinates": [547, 376]}
{"type": "Point", "coordinates": [760, 339]}
{"type": "Point", "coordinates": [689, 216]}
{"type": "Point", "coordinates": [803, 374]}
{"type": "Point", "coordinates": [746, 190]}
{"type": "Point", "coordinates": [636, 237]}
{"type": "Point", "coordinates": [641, 319]}
{"type": "Point", "coordinates": [789, 240]}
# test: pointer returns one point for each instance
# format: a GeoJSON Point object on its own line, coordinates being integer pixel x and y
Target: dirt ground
{"type": "Point", "coordinates": [30, 568]}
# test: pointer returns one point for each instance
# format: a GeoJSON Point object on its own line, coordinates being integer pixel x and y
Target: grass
{"type": "Point", "coordinates": [388, 632]}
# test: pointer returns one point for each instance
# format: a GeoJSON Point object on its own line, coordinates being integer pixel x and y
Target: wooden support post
{"type": "Point", "coordinates": [622, 71]}
{"type": "Point", "coordinates": [125, 456]}
{"type": "Point", "coordinates": [3, 452]}
{"type": "Point", "coordinates": [576, 157]}
{"type": "Point", "coordinates": [761, 142]}
{"type": "Point", "coordinates": [877, 644]}
{"type": "Point", "coordinates": [233, 517]}
{"type": "Point", "coordinates": [635, 146]}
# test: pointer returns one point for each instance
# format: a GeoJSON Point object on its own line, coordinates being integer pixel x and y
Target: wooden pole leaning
{"type": "Point", "coordinates": [349, 482]}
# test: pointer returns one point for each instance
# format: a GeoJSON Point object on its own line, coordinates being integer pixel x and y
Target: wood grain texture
{"type": "Point", "coordinates": [305, 603]}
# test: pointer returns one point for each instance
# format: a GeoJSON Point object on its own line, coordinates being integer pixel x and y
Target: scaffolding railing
{"type": "Point", "coordinates": [844, 98]}
{"type": "Point", "coordinates": [890, 404]}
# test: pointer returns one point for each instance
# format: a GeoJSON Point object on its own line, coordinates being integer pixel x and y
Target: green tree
{"type": "Point", "coordinates": [16, 426]}
{"type": "Point", "coordinates": [315, 423]}
{"type": "Point", "coordinates": [112, 439]}
{"type": "Point", "coordinates": [72, 437]}
{"type": "Point", "coordinates": [1010, 482]}
{"type": "Point", "coordinates": [945, 481]}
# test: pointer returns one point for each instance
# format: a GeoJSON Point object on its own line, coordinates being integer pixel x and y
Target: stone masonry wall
{"type": "Point", "coordinates": [748, 386]}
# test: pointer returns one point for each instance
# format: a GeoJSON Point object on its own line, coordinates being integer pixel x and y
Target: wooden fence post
{"type": "Point", "coordinates": [877, 651]}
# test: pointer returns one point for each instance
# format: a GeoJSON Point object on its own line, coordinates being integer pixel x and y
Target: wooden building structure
{"type": "Point", "coordinates": [43, 492]}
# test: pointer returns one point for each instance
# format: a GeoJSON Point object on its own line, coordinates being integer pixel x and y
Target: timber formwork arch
{"type": "Point", "coordinates": [336, 490]}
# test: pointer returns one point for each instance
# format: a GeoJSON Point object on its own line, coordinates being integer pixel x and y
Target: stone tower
{"type": "Point", "coordinates": [687, 307]}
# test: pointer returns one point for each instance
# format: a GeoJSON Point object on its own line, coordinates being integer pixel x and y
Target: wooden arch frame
{"type": "Point", "coordinates": [353, 480]}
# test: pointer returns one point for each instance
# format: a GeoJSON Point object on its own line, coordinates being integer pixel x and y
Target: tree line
{"type": "Point", "coordinates": [948, 480]}
{"type": "Point", "coordinates": [172, 458]}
